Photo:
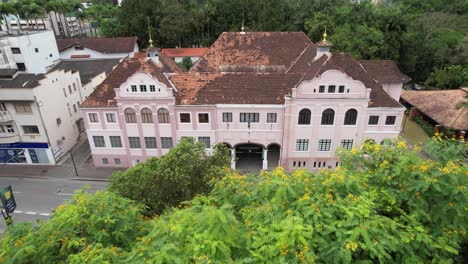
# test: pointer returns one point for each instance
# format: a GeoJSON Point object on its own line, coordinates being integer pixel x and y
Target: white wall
{"type": "Point", "coordinates": [67, 53]}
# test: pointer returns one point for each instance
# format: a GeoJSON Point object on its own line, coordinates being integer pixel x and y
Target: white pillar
{"type": "Point", "coordinates": [233, 159]}
{"type": "Point", "coordinates": [265, 159]}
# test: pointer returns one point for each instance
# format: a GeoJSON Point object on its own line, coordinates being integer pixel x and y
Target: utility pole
{"type": "Point", "coordinates": [73, 161]}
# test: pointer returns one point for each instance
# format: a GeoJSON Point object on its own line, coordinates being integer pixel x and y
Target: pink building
{"type": "Point", "coordinates": [274, 98]}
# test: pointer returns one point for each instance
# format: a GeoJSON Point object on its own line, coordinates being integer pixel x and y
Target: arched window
{"type": "Point", "coordinates": [304, 117]}
{"type": "Point", "coordinates": [146, 115]}
{"type": "Point", "coordinates": [130, 116]}
{"type": "Point", "coordinates": [328, 116]}
{"type": "Point", "coordinates": [350, 117]}
{"type": "Point", "coordinates": [163, 116]}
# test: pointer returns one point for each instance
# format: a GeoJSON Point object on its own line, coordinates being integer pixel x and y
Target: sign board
{"type": "Point", "coordinates": [20, 145]}
{"type": "Point", "coordinates": [8, 199]}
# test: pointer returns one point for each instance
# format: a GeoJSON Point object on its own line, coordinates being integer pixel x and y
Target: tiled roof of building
{"type": "Point", "coordinates": [384, 71]}
{"type": "Point", "coordinates": [201, 66]}
{"type": "Point", "coordinates": [88, 69]}
{"type": "Point", "coordinates": [268, 50]}
{"type": "Point", "coordinates": [184, 52]}
{"type": "Point", "coordinates": [233, 88]}
{"type": "Point", "coordinates": [22, 80]}
{"type": "Point", "coordinates": [104, 94]}
{"type": "Point", "coordinates": [169, 64]}
{"type": "Point", "coordinates": [105, 45]}
{"type": "Point", "coordinates": [440, 106]}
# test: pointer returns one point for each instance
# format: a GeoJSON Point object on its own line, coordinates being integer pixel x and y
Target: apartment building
{"type": "Point", "coordinates": [273, 98]}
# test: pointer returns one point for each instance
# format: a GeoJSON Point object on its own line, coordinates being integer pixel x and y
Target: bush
{"type": "Point", "coordinates": [164, 182]}
{"type": "Point", "coordinates": [450, 77]}
{"type": "Point", "coordinates": [445, 149]}
{"type": "Point", "coordinates": [427, 127]}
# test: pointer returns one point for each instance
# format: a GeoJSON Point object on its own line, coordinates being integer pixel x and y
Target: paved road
{"type": "Point", "coordinates": [36, 197]}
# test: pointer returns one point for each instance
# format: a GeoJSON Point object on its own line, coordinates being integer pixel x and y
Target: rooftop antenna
{"type": "Point", "coordinates": [243, 15]}
{"type": "Point", "coordinates": [325, 34]}
{"type": "Point", "coordinates": [149, 33]}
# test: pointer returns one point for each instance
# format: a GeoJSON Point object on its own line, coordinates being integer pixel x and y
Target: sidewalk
{"type": "Point", "coordinates": [64, 168]}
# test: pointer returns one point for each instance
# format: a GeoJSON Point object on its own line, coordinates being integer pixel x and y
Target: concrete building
{"type": "Point", "coordinates": [97, 48]}
{"type": "Point", "coordinates": [274, 98]}
{"type": "Point", "coordinates": [28, 51]}
{"type": "Point", "coordinates": [39, 117]}
{"type": "Point", "coordinates": [178, 54]}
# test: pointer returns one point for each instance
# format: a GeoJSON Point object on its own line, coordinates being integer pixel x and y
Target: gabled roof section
{"type": "Point", "coordinates": [104, 94]}
{"type": "Point", "coordinates": [233, 88]}
{"type": "Point", "coordinates": [384, 71]}
{"type": "Point", "coordinates": [201, 66]}
{"type": "Point", "coordinates": [88, 69]}
{"type": "Point", "coordinates": [104, 45]}
{"type": "Point", "coordinates": [169, 64]}
{"type": "Point", "coordinates": [184, 52]}
{"type": "Point", "coordinates": [441, 106]}
{"type": "Point", "coordinates": [271, 51]}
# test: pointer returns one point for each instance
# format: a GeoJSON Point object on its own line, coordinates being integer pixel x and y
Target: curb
{"type": "Point", "coordinates": [90, 179]}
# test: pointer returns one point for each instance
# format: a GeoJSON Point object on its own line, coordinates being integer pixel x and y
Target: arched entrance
{"type": "Point", "coordinates": [249, 157]}
{"type": "Point", "coordinates": [273, 155]}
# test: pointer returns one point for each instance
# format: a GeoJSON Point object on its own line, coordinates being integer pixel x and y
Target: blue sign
{"type": "Point", "coordinates": [12, 156]}
{"type": "Point", "coordinates": [18, 145]}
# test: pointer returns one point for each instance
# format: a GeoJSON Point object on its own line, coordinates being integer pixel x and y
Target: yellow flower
{"type": "Point", "coordinates": [351, 245]}
{"type": "Point", "coordinates": [401, 145]}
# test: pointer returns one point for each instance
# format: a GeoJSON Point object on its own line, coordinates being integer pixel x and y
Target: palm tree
{"type": "Point", "coordinates": [49, 7]}
{"type": "Point", "coordinates": [7, 8]}
{"type": "Point", "coordinates": [34, 11]}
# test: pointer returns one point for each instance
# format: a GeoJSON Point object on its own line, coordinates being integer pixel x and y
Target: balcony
{"type": "Point", "coordinates": [9, 138]}
{"type": "Point", "coordinates": [5, 116]}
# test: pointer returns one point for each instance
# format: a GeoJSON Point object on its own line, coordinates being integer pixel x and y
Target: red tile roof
{"type": "Point", "coordinates": [184, 52]}
{"type": "Point", "coordinates": [384, 71]}
{"type": "Point", "coordinates": [441, 106]}
{"type": "Point", "coordinates": [105, 45]}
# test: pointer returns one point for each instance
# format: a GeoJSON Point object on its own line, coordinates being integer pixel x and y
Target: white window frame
{"type": "Point", "coordinates": [378, 121]}
{"type": "Point", "coordinates": [276, 118]}
{"type": "Point", "coordinates": [325, 143]}
{"type": "Point", "coordinates": [306, 141]}
{"type": "Point", "coordinates": [394, 124]}
{"type": "Point", "coordinates": [222, 117]}
{"type": "Point", "coordinates": [115, 117]}
{"type": "Point", "coordinates": [190, 116]}
{"type": "Point", "coordinates": [198, 117]}
{"type": "Point", "coordinates": [89, 117]}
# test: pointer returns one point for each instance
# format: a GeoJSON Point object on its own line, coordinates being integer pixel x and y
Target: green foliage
{"type": "Point", "coordinates": [164, 182]}
{"type": "Point", "coordinates": [428, 128]}
{"type": "Point", "coordinates": [449, 77]}
{"type": "Point", "coordinates": [101, 224]}
{"type": "Point", "coordinates": [445, 149]}
{"type": "Point", "coordinates": [385, 204]}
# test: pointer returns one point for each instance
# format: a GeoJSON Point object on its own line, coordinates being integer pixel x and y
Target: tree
{"type": "Point", "coordinates": [161, 183]}
{"type": "Point", "coordinates": [7, 8]}
{"type": "Point", "coordinates": [101, 224]}
{"type": "Point", "coordinates": [450, 77]}
{"type": "Point", "coordinates": [445, 149]}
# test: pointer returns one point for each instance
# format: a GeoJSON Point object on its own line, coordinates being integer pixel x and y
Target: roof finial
{"type": "Point", "coordinates": [325, 34]}
{"type": "Point", "coordinates": [149, 33]}
{"type": "Point", "coordinates": [242, 28]}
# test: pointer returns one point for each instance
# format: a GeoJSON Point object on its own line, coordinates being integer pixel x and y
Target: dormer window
{"type": "Point", "coordinates": [134, 88]}
{"type": "Point", "coordinates": [143, 88]}
{"type": "Point", "coordinates": [331, 88]}
{"type": "Point", "coordinates": [341, 89]}
{"type": "Point", "coordinates": [321, 88]}
{"type": "Point", "coordinates": [79, 48]}
{"type": "Point", "coordinates": [152, 88]}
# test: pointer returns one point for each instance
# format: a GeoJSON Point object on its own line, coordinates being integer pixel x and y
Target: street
{"type": "Point", "coordinates": [36, 197]}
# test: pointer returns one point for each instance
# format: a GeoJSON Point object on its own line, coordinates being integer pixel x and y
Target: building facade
{"type": "Point", "coordinates": [97, 48]}
{"type": "Point", "coordinates": [178, 54]}
{"type": "Point", "coordinates": [274, 98]}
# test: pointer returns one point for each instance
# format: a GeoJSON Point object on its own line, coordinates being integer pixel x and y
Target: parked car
{"type": "Point", "coordinates": [416, 86]}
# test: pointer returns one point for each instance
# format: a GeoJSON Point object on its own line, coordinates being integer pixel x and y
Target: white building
{"type": "Point", "coordinates": [39, 117]}
{"type": "Point", "coordinates": [97, 48]}
{"type": "Point", "coordinates": [29, 51]}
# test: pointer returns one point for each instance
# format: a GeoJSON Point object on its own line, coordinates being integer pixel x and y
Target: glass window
{"type": "Point", "coordinates": [130, 115]}
{"type": "Point", "coordinates": [115, 141]}
{"type": "Point", "coordinates": [3, 107]}
{"type": "Point", "coordinates": [341, 89]}
{"type": "Point", "coordinates": [111, 118]}
{"type": "Point", "coordinates": [134, 142]}
{"type": "Point", "coordinates": [93, 118]}
{"type": "Point", "coordinates": [249, 117]}
{"type": "Point", "coordinates": [347, 143]}
{"type": "Point", "coordinates": [117, 161]}
{"type": "Point", "coordinates": [74, 108]}
{"type": "Point", "coordinates": [134, 88]}
{"type": "Point", "coordinates": [206, 141]}
{"type": "Point", "coordinates": [152, 88]}
{"type": "Point", "coordinates": [302, 145]}
{"type": "Point", "coordinates": [150, 142]}
{"type": "Point", "coordinates": [227, 117]}
{"type": "Point", "coordinates": [321, 88]}
{"type": "Point", "coordinates": [143, 88]}
{"type": "Point", "coordinates": [21, 66]}
{"type": "Point", "coordinates": [328, 117]}
{"type": "Point", "coordinates": [105, 161]}
{"type": "Point", "coordinates": [304, 117]}
{"type": "Point", "coordinates": [324, 145]}
{"type": "Point", "coordinates": [163, 116]}
{"type": "Point", "coordinates": [10, 129]}
{"type": "Point", "coordinates": [69, 89]}
{"type": "Point", "coordinates": [373, 120]}
{"type": "Point", "coordinates": [271, 117]}
{"type": "Point", "coordinates": [146, 115]}
{"type": "Point", "coordinates": [185, 118]}
{"type": "Point", "coordinates": [16, 50]}
{"type": "Point", "coordinates": [30, 129]}
{"type": "Point", "coordinates": [64, 92]}
{"type": "Point", "coordinates": [23, 108]}
{"type": "Point", "coordinates": [74, 87]}
{"type": "Point", "coordinates": [350, 117]}
{"type": "Point", "coordinates": [99, 142]}
{"type": "Point", "coordinates": [331, 88]}
{"type": "Point", "coordinates": [166, 142]}
{"type": "Point", "coordinates": [390, 120]}
{"type": "Point", "coordinates": [203, 118]}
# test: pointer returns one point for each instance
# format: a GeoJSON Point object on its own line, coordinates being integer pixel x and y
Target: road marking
{"type": "Point", "coordinates": [15, 192]}
{"type": "Point", "coordinates": [18, 212]}
{"type": "Point", "coordinates": [44, 214]}
{"type": "Point", "coordinates": [70, 194]}
{"type": "Point", "coordinates": [31, 213]}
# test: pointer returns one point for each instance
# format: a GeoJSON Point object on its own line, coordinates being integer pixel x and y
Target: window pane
{"type": "Point", "coordinates": [185, 118]}
{"type": "Point", "coordinates": [328, 117]}
{"type": "Point", "coordinates": [152, 88]}
{"type": "Point", "coordinates": [30, 129]}
{"type": "Point", "coordinates": [350, 117]}
{"type": "Point", "coordinates": [271, 117]}
{"type": "Point", "coordinates": [146, 116]}
{"type": "Point", "coordinates": [249, 117]}
{"type": "Point", "coordinates": [110, 117]}
{"type": "Point", "coordinates": [134, 142]}
{"type": "Point", "coordinates": [134, 88]}
{"type": "Point", "coordinates": [321, 88]}
{"type": "Point", "coordinates": [93, 118]}
{"type": "Point", "coordinates": [115, 141]}
{"type": "Point", "coordinates": [142, 88]}
{"type": "Point", "coordinates": [203, 118]}
{"type": "Point", "coordinates": [347, 144]}
{"type": "Point", "coordinates": [166, 142]}
{"type": "Point", "coordinates": [206, 141]}
{"type": "Point", "coordinates": [390, 120]}
{"type": "Point", "coordinates": [304, 117]}
{"type": "Point", "coordinates": [302, 145]}
{"type": "Point", "coordinates": [99, 142]}
{"type": "Point", "coordinates": [373, 120]}
{"type": "Point", "coordinates": [324, 145]}
{"type": "Point", "coordinates": [150, 142]}
{"type": "Point", "coordinates": [117, 161]}
{"type": "Point", "coordinates": [227, 117]}
{"type": "Point", "coordinates": [163, 116]}
{"type": "Point", "coordinates": [130, 116]}
{"type": "Point", "coordinates": [341, 89]}
{"type": "Point", "coordinates": [331, 88]}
